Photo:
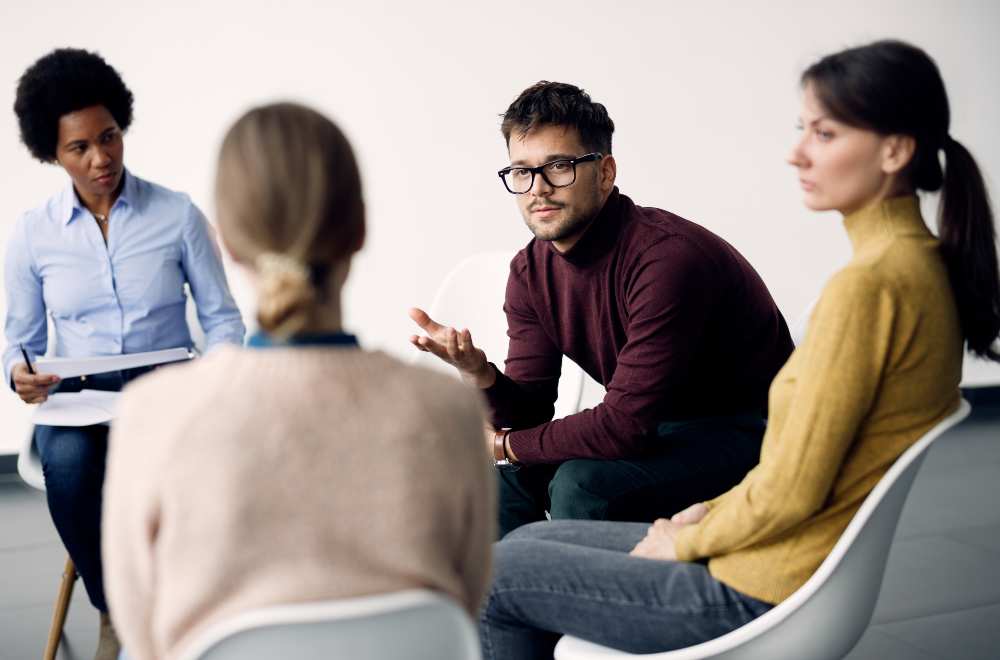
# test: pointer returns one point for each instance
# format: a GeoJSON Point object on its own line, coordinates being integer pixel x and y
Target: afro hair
{"type": "Point", "coordinates": [64, 81]}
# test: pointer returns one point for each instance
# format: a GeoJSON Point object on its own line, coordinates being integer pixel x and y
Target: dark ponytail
{"type": "Point", "coordinates": [968, 243]}
{"type": "Point", "coordinates": [891, 87]}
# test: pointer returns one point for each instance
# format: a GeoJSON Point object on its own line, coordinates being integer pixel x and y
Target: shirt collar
{"type": "Point", "coordinates": [70, 205]}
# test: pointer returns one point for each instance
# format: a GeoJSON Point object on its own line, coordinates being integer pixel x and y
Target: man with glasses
{"type": "Point", "coordinates": [670, 318]}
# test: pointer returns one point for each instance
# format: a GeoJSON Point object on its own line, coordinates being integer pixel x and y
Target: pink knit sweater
{"type": "Point", "coordinates": [260, 477]}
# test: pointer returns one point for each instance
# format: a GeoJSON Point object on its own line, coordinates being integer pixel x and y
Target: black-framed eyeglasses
{"type": "Point", "coordinates": [557, 173]}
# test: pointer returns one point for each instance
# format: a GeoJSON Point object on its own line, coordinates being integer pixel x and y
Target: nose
{"type": "Point", "coordinates": [540, 187]}
{"type": "Point", "coordinates": [101, 158]}
{"type": "Point", "coordinates": [797, 157]}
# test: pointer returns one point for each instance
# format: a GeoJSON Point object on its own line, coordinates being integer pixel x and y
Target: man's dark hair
{"type": "Point", "coordinates": [64, 81]}
{"type": "Point", "coordinates": [560, 104]}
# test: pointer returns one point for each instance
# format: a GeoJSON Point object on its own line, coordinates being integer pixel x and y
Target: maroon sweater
{"type": "Point", "coordinates": [670, 318]}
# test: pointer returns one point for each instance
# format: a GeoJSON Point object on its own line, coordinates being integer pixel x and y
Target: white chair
{"type": "Point", "coordinates": [826, 617]}
{"type": "Point", "coordinates": [471, 296]}
{"type": "Point", "coordinates": [414, 624]}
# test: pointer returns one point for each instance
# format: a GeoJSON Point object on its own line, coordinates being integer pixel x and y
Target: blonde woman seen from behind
{"type": "Point", "coordinates": [301, 468]}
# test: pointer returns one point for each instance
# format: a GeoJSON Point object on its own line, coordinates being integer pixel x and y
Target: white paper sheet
{"type": "Point", "coordinates": [72, 367]}
{"type": "Point", "coordinates": [83, 408]}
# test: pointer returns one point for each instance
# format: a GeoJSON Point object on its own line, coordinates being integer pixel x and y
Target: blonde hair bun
{"type": "Point", "coordinates": [284, 293]}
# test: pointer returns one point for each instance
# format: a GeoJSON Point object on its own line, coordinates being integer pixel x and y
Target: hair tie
{"type": "Point", "coordinates": [285, 293]}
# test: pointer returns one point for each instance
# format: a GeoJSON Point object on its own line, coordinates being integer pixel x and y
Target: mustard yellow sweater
{"type": "Point", "coordinates": [879, 366]}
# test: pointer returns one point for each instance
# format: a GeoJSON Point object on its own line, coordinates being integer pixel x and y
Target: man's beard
{"type": "Point", "coordinates": [566, 228]}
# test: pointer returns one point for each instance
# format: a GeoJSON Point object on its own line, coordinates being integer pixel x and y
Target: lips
{"type": "Point", "coordinates": [807, 185]}
{"type": "Point", "coordinates": [105, 178]}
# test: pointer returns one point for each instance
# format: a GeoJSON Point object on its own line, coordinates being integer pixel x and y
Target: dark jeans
{"type": "Point", "coordinates": [698, 461]}
{"type": "Point", "coordinates": [73, 460]}
{"type": "Point", "coordinates": [576, 577]}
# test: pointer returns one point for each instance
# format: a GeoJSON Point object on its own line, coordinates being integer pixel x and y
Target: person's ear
{"type": "Point", "coordinates": [607, 173]}
{"type": "Point", "coordinates": [897, 153]}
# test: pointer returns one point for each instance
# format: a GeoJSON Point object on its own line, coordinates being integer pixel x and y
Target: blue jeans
{"type": "Point", "coordinates": [73, 460]}
{"type": "Point", "coordinates": [576, 577]}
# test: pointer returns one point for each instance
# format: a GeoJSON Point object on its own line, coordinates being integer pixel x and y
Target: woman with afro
{"type": "Point", "coordinates": [106, 259]}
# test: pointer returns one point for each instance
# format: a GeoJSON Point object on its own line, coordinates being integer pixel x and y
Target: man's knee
{"type": "Point", "coordinates": [577, 490]}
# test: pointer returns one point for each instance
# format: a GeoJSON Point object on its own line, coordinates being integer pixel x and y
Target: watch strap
{"type": "Point", "coordinates": [498, 441]}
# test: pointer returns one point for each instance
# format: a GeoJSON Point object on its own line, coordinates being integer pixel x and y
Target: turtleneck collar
{"type": "Point", "coordinates": [888, 218]}
{"type": "Point", "coordinates": [598, 237]}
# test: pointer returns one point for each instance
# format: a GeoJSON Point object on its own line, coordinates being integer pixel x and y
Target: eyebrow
{"type": "Point", "coordinates": [73, 143]}
{"type": "Point", "coordinates": [815, 121]}
{"type": "Point", "coordinates": [548, 159]}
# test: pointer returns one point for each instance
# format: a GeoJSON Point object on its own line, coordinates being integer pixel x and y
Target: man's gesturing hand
{"type": "Point", "coordinates": [455, 348]}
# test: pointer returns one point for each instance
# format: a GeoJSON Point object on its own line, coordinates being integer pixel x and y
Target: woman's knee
{"type": "Point", "coordinates": [535, 530]}
{"type": "Point", "coordinates": [70, 455]}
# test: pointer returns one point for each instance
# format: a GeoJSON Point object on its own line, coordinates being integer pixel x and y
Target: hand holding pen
{"type": "Point", "coordinates": [32, 387]}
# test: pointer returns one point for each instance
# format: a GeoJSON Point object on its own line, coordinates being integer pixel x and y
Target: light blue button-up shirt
{"type": "Point", "coordinates": [123, 297]}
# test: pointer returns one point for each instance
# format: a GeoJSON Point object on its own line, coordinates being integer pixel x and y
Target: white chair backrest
{"type": "Point", "coordinates": [29, 464]}
{"type": "Point", "coordinates": [826, 617]}
{"type": "Point", "coordinates": [415, 624]}
{"type": "Point", "coordinates": [472, 296]}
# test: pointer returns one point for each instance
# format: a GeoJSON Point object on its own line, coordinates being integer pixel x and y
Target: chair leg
{"type": "Point", "coordinates": [62, 606]}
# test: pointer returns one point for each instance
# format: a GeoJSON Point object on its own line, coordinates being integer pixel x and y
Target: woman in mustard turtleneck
{"type": "Point", "coordinates": [879, 366]}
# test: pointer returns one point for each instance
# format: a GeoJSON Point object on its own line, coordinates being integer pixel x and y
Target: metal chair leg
{"type": "Point", "coordinates": [62, 606]}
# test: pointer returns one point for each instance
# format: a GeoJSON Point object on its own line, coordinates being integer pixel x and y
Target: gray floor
{"type": "Point", "coordinates": [940, 597]}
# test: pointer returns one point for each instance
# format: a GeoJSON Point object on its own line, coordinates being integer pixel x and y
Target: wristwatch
{"type": "Point", "coordinates": [500, 458]}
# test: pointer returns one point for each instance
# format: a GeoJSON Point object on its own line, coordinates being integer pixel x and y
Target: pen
{"type": "Point", "coordinates": [26, 360]}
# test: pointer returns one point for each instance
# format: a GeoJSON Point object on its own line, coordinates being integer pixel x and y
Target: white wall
{"type": "Point", "coordinates": [704, 96]}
